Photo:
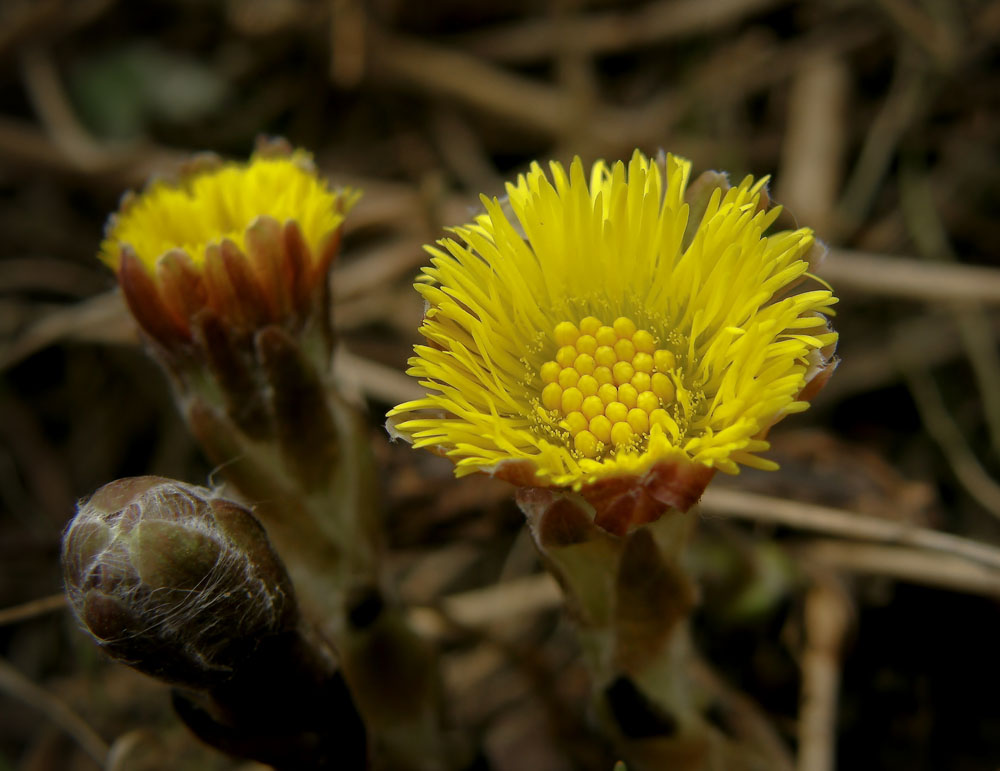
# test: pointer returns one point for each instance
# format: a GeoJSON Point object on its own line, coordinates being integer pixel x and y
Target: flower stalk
{"type": "Point", "coordinates": [631, 599]}
{"type": "Point", "coordinates": [227, 273]}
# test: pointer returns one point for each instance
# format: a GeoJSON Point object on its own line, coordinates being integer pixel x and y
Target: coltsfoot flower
{"type": "Point", "coordinates": [252, 242]}
{"type": "Point", "coordinates": [624, 336]}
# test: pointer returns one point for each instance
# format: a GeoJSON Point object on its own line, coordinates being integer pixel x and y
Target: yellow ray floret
{"type": "Point", "coordinates": [596, 332]}
{"type": "Point", "coordinates": [220, 202]}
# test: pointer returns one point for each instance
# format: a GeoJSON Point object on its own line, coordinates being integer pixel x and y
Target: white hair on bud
{"type": "Point", "coordinates": [240, 597]}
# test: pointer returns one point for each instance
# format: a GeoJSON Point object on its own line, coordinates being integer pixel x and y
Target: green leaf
{"type": "Point", "coordinates": [119, 92]}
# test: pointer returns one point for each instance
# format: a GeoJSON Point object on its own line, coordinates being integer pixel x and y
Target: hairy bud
{"type": "Point", "coordinates": [173, 580]}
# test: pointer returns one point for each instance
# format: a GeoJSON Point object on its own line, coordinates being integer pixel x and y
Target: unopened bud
{"type": "Point", "coordinates": [174, 580]}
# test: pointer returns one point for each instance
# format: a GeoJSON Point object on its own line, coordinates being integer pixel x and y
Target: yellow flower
{"type": "Point", "coordinates": [252, 242]}
{"type": "Point", "coordinates": [606, 338]}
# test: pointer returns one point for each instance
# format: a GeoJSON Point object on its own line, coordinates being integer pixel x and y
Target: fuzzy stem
{"type": "Point", "coordinates": [287, 706]}
{"type": "Point", "coordinates": [631, 599]}
{"type": "Point", "coordinates": [313, 484]}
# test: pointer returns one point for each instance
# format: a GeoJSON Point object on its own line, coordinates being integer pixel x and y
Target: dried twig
{"type": "Point", "coordinates": [32, 274]}
{"type": "Point", "coordinates": [32, 609]}
{"type": "Point", "coordinates": [950, 438]}
{"type": "Point", "coordinates": [931, 239]}
{"type": "Point", "coordinates": [102, 319]}
{"type": "Point", "coordinates": [929, 337]}
{"type": "Point", "coordinates": [938, 39]}
{"type": "Point", "coordinates": [374, 380]}
{"type": "Point", "coordinates": [427, 574]}
{"type": "Point", "coordinates": [46, 18]}
{"type": "Point", "coordinates": [347, 42]}
{"type": "Point", "coordinates": [16, 685]}
{"type": "Point", "coordinates": [905, 97]}
{"type": "Point", "coordinates": [600, 33]}
{"type": "Point", "coordinates": [53, 107]}
{"type": "Point", "coordinates": [535, 593]}
{"type": "Point", "coordinates": [451, 72]}
{"type": "Point", "coordinates": [402, 208]}
{"type": "Point", "coordinates": [516, 597]}
{"type": "Point", "coordinates": [721, 501]}
{"type": "Point", "coordinates": [463, 152]}
{"type": "Point", "coordinates": [827, 613]}
{"type": "Point", "coordinates": [533, 104]}
{"type": "Point", "coordinates": [23, 145]}
{"type": "Point", "coordinates": [814, 141]}
{"type": "Point", "coordinates": [365, 272]}
{"type": "Point", "coordinates": [902, 563]}
{"type": "Point", "coordinates": [910, 279]}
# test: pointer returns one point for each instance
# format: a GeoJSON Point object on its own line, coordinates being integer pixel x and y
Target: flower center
{"type": "Point", "coordinates": [608, 385]}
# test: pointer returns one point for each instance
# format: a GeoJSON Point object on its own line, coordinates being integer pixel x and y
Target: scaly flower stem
{"type": "Point", "coordinates": [328, 528]}
{"type": "Point", "coordinates": [279, 706]}
{"type": "Point", "coordinates": [631, 598]}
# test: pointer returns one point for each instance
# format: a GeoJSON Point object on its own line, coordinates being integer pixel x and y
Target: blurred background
{"type": "Point", "coordinates": [880, 122]}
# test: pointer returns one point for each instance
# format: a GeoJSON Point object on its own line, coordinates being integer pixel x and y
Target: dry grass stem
{"type": "Point", "coordinates": [531, 103]}
{"type": "Point", "coordinates": [920, 212]}
{"type": "Point", "coordinates": [944, 430]}
{"type": "Point", "coordinates": [19, 687]}
{"type": "Point", "coordinates": [32, 609]}
{"type": "Point", "coordinates": [725, 502]}
{"type": "Point", "coordinates": [374, 380]}
{"type": "Point", "coordinates": [102, 318]}
{"type": "Point", "coordinates": [811, 157]}
{"type": "Point", "coordinates": [372, 270]}
{"type": "Point", "coordinates": [426, 575]}
{"type": "Point", "coordinates": [910, 279]}
{"type": "Point", "coordinates": [601, 33]}
{"type": "Point", "coordinates": [903, 564]}
{"type": "Point", "coordinates": [347, 42]}
{"type": "Point", "coordinates": [53, 106]}
{"type": "Point", "coordinates": [906, 95]}
{"type": "Point", "coordinates": [463, 152]}
{"type": "Point", "coordinates": [479, 607]}
{"type": "Point", "coordinates": [933, 35]}
{"type": "Point", "coordinates": [827, 613]}
{"type": "Point", "coordinates": [24, 145]}
{"type": "Point", "coordinates": [452, 73]}
{"type": "Point", "coordinates": [929, 337]}
{"type": "Point", "coordinates": [44, 274]}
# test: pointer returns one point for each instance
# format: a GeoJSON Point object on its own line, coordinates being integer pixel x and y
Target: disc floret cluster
{"type": "Point", "coordinates": [610, 385]}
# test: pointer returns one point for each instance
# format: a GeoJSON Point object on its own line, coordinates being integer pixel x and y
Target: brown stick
{"type": "Point", "coordinates": [902, 564]}
{"type": "Point", "coordinates": [20, 687]}
{"type": "Point", "coordinates": [453, 73]}
{"type": "Point", "coordinates": [806, 516]}
{"type": "Point", "coordinates": [600, 33]}
{"type": "Point", "coordinates": [811, 156]}
{"type": "Point", "coordinates": [909, 278]}
{"type": "Point", "coordinates": [32, 609]}
{"type": "Point", "coordinates": [826, 620]}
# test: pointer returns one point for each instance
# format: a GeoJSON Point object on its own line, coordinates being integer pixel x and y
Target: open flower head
{"type": "Point", "coordinates": [252, 242]}
{"type": "Point", "coordinates": [624, 335]}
